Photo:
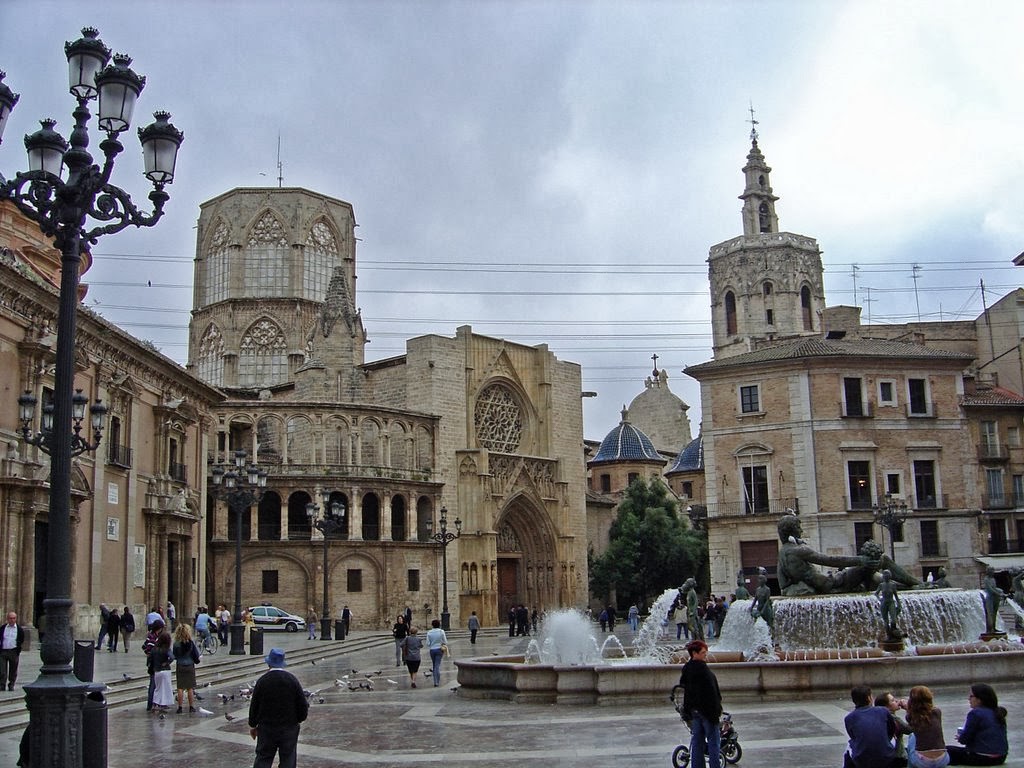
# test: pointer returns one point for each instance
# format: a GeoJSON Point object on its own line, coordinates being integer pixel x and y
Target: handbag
{"type": "Point", "coordinates": [195, 654]}
{"type": "Point", "coordinates": [444, 649]}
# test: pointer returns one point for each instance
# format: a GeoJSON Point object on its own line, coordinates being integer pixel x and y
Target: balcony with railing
{"type": "Point", "coordinates": [119, 455]}
{"type": "Point", "coordinates": [747, 508]}
{"type": "Point", "coordinates": [926, 410]}
{"type": "Point", "coordinates": [177, 472]}
{"type": "Point", "coordinates": [932, 550]}
{"type": "Point", "coordinates": [996, 501]}
{"type": "Point", "coordinates": [857, 410]}
{"type": "Point", "coordinates": [1005, 546]}
{"type": "Point", "coordinates": [940, 501]}
{"type": "Point", "coordinates": [990, 453]}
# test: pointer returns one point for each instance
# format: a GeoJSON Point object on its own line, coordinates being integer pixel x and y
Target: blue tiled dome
{"type": "Point", "coordinates": [626, 443]}
{"type": "Point", "coordinates": [691, 458]}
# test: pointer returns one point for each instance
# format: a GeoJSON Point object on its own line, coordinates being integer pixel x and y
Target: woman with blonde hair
{"type": "Point", "coordinates": [186, 656]}
{"type": "Point", "coordinates": [926, 746]}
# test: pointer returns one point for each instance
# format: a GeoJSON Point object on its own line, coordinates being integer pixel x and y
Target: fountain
{"type": "Point", "coordinates": [819, 644]}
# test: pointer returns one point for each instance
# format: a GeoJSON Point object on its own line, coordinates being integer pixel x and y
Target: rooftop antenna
{"type": "Point", "coordinates": [916, 268]}
{"type": "Point", "coordinates": [753, 125]}
{"type": "Point", "coordinates": [853, 273]}
{"type": "Point", "coordinates": [280, 168]}
{"type": "Point", "coordinates": [988, 322]}
{"type": "Point", "coordinates": [868, 300]}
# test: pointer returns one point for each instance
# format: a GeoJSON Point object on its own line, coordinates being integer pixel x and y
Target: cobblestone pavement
{"type": "Point", "coordinates": [395, 724]}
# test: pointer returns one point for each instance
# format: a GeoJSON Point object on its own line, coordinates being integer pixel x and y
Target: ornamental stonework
{"type": "Point", "coordinates": [498, 419]}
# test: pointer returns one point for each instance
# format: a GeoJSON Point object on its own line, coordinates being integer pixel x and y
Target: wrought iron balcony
{"type": "Point", "coordinates": [119, 455]}
{"type": "Point", "coordinates": [746, 508]}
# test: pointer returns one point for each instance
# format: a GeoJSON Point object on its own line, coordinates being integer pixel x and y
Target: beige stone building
{"type": "Point", "coordinates": [488, 429]}
{"type": "Point", "coordinates": [136, 506]}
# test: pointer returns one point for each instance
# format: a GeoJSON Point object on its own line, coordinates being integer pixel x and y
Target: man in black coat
{"type": "Point", "coordinates": [702, 706]}
{"type": "Point", "coordinates": [11, 638]}
{"type": "Point", "coordinates": [277, 707]}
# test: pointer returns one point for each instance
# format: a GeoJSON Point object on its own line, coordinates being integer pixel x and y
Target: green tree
{"type": "Point", "coordinates": [651, 548]}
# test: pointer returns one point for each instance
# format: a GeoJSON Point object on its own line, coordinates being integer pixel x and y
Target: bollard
{"type": "Point", "coordinates": [84, 660]}
{"type": "Point", "coordinates": [94, 728]}
{"type": "Point", "coordinates": [256, 641]}
{"type": "Point", "coordinates": [339, 630]}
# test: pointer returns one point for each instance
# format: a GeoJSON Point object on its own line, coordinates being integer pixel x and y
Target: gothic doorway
{"type": "Point", "coordinates": [527, 558]}
{"type": "Point", "coordinates": [508, 585]}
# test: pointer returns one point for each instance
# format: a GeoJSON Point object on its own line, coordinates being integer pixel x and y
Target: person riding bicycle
{"type": "Point", "coordinates": [204, 623]}
{"type": "Point", "coordinates": [702, 706]}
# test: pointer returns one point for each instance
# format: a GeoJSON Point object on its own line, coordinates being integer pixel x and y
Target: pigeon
{"type": "Point", "coordinates": [228, 716]}
{"type": "Point", "coordinates": [392, 682]}
{"type": "Point", "coordinates": [340, 683]}
{"type": "Point", "coordinates": [163, 716]}
{"type": "Point", "coordinates": [313, 662]}
{"type": "Point", "coordinates": [224, 698]}
{"type": "Point", "coordinates": [320, 700]}
{"type": "Point", "coordinates": [205, 712]}
{"type": "Point", "coordinates": [125, 676]}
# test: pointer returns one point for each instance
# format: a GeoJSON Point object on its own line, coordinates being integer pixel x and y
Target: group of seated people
{"type": "Point", "coordinates": [876, 733]}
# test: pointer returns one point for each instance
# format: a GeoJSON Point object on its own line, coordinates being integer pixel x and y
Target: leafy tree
{"type": "Point", "coordinates": [651, 548]}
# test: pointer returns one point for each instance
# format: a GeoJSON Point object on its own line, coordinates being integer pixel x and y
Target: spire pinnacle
{"type": "Point", "coordinates": [753, 125]}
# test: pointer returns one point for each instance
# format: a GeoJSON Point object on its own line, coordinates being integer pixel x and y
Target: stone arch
{"type": "Point", "coordinates": [300, 440]}
{"type": "Point", "coordinates": [370, 506]}
{"type": "Point", "coordinates": [338, 441]}
{"type": "Point", "coordinates": [217, 273]}
{"type": "Point", "coordinates": [527, 556]}
{"type": "Point", "coordinates": [270, 443]}
{"type": "Point", "coordinates": [210, 361]}
{"type": "Point", "coordinates": [369, 443]}
{"type": "Point", "coordinates": [400, 448]}
{"type": "Point", "coordinates": [320, 255]}
{"type": "Point", "coordinates": [267, 257]}
{"type": "Point", "coordinates": [268, 517]}
{"type": "Point", "coordinates": [424, 448]}
{"type": "Point", "coordinates": [399, 529]}
{"type": "Point", "coordinates": [503, 417]}
{"type": "Point", "coordinates": [299, 527]}
{"type": "Point", "coordinates": [367, 604]}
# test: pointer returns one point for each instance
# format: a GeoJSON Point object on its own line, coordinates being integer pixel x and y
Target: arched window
{"type": "Point", "coordinates": [371, 517]}
{"type": "Point", "coordinates": [767, 288]}
{"type": "Point", "coordinates": [268, 522]}
{"type": "Point", "coordinates": [267, 259]}
{"type": "Point", "coordinates": [730, 313]}
{"type": "Point", "coordinates": [398, 528]}
{"type": "Point", "coordinates": [217, 264]}
{"type": "Point", "coordinates": [369, 449]}
{"type": "Point", "coordinates": [805, 308]}
{"type": "Point", "coordinates": [300, 440]}
{"type": "Point", "coordinates": [299, 525]}
{"type": "Point", "coordinates": [210, 365]}
{"type": "Point", "coordinates": [262, 355]}
{"type": "Point", "coordinates": [764, 218]}
{"type": "Point", "coordinates": [319, 260]}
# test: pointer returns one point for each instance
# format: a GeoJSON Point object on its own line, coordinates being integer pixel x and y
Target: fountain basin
{"type": "Point", "coordinates": [509, 678]}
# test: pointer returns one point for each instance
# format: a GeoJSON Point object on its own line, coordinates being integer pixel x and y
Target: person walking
{"type": "Point", "coordinates": [113, 630]}
{"type": "Point", "coordinates": [474, 626]}
{"type": "Point", "coordinates": [412, 645]}
{"type": "Point", "coordinates": [276, 710]}
{"type": "Point", "coordinates": [223, 624]}
{"type": "Point", "coordinates": [127, 626]}
{"type": "Point", "coordinates": [104, 615]}
{"type": "Point", "coordinates": [633, 617]}
{"type": "Point", "coordinates": [172, 615]}
{"type": "Point", "coordinates": [11, 638]}
{"type": "Point", "coordinates": [399, 632]}
{"type": "Point", "coordinates": [186, 656]}
{"type": "Point", "coordinates": [702, 706]}
{"type": "Point", "coordinates": [311, 622]}
{"type": "Point", "coordinates": [346, 619]}
{"type": "Point", "coordinates": [437, 643]}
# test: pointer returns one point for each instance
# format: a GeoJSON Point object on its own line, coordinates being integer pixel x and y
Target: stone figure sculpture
{"type": "Point", "coordinates": [889, 600]}
{"type": "Point", "coordinates": [741, 586]}
{"type": "Point", "coordinates": [694, 624]}
{"type": "Point", "coordinates": [993, 597]}
{"type": "Point", "coordinates": [858, 573]}
{"type": "Point", "coordinates": [762, 605]}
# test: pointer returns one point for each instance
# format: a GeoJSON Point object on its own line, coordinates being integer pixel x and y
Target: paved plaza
{"type": "Point", "coordinates": [395, 725]}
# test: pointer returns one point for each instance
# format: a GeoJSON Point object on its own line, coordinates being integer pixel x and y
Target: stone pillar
{"type": "Point", "coordinates": [355, 516]}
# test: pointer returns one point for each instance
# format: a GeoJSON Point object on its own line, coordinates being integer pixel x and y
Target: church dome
{"type": "Point", "coordinates": [691, 458]}
{"type": "Point", "coordinates": [626, 443]}
{"type": "Point", "coordinates": [660, 413]}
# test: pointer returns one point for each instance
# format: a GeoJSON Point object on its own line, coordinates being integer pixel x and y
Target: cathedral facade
{"type": "Point", "coordinates": [488, 430]}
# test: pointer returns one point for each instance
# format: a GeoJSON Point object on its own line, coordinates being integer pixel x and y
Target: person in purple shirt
{"type": "Point", "coordinates": [983, 736]}
{"type": "Point", "coordinates": [871, 730]}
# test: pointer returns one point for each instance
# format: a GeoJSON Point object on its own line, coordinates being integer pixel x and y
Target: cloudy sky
{"type": "Point", "coordinates": [555, 172]}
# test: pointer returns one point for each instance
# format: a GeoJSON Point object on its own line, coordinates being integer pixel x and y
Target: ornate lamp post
{"type": "Point", "coordinates": [891, 516]}
{"type": "Point", "coordinates": [332, 521]}
{"type": "Point", "coordinates": [240, 487]}
{"type": "Point", "coordinates": [444, 537]}
{"type": "Point", "coordinates": [61, 208]}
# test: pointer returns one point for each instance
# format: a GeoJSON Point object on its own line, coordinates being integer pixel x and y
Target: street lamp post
{"type": "Point", "coordinates": [61, 208]}
{"type": "Point", "coordinates": [240, 487]}
{"type": "Point", "coordinates": [444, 537]}
{"type": "Point", "coordinates": [332, 521]}
{"type": "Point", "coordinates": [891, 516]}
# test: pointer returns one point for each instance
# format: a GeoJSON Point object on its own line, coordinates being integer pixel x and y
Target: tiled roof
{"type": "Point", "coordinates": [626, 443]}
{"type": "Point", "coordinates": [996, 396]}
{"type": "Point", "coordinates": [691, 458]}
{"type": "Point", "coordinates": [819, 347]}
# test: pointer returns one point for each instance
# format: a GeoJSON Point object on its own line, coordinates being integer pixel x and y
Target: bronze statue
{"type": "Point", "coordinates": [859, 573]}
{"type": "Point", "coordinates": [694, 624]}
{"type": "Point", "coordinates": [889, 596]}
{"type": "Point", "coordinates": [993, 597]}
{"type": "Point", "coordinates": [741, 592]}
{"type": "Point", "coordinates": [762, 605]}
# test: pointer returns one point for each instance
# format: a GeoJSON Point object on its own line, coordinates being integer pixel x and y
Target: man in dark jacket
{"type": "Point", "coordinates": [702, 706]}
{"type": "Point", "coordinates": [277, 707]}
{"type": "Point", "coordinates": [11, 638]}
{"type": "Point", "coordinates": [871, 730]}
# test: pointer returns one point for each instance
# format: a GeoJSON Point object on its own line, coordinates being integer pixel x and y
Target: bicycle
{"type": "Point", "coordinates": [208, 643]}
{"type": "Point", "coordinates": [731, 749]}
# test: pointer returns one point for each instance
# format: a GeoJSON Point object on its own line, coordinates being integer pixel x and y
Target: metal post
{"type": "Point", "coordinates": [237, 625]}
{"type": "Point", "coordinates": [325, 619]}
{"type": "Point", "coordinates": [444, 537]}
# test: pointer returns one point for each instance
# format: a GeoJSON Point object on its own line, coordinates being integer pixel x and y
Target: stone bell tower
{"type": "Point", "coordinates": [765, 284]}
